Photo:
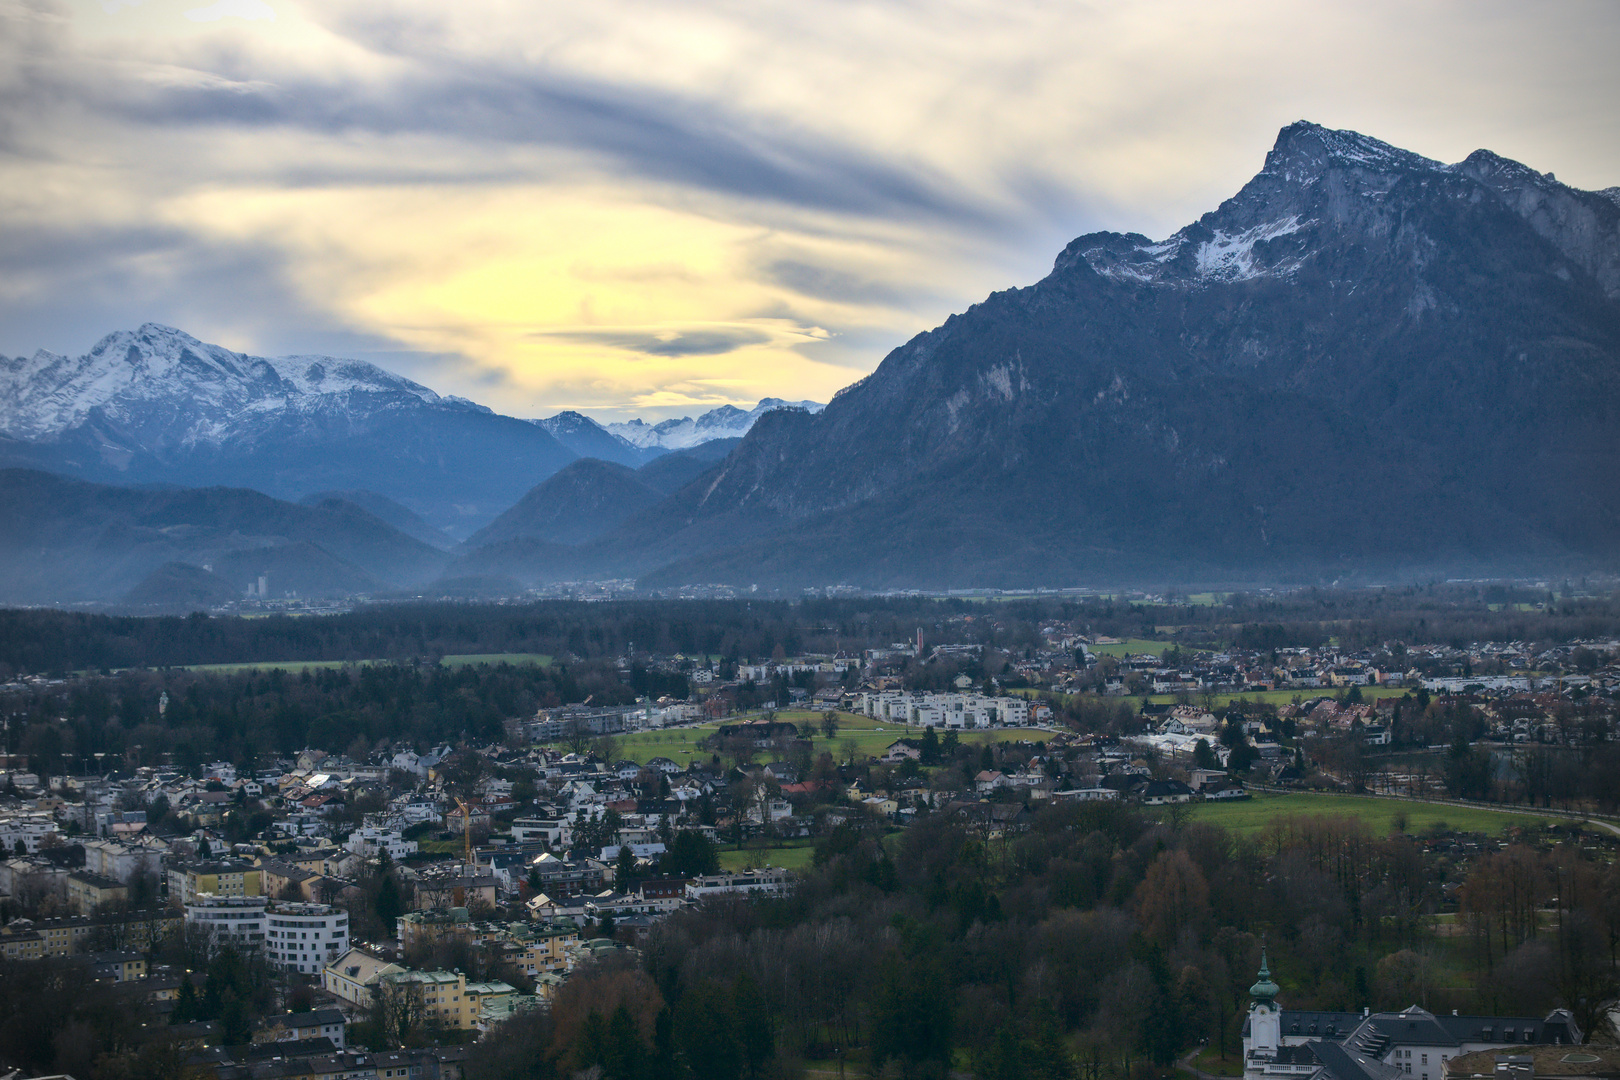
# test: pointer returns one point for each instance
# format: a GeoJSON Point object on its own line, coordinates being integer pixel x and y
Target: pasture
{"type": "Point", "coordinates": [1253, 815]}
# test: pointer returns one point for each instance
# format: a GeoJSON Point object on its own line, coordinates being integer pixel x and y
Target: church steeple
{"type": "Point", "coordinates": [1264, 990]}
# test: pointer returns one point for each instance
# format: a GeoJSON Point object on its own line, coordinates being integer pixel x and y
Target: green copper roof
{"type": "Point", "coordinates": [1265, 989]}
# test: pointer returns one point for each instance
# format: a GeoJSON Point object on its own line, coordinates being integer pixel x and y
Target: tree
{"type": "Point", "coordinates": [690, 854]}
{"type": "Point", "coordinates": [1203, 755]}
{"type": "Point", "coordinates": [624, 869]}
{"type": "Point", "coordinates": [389, 904]}
{"type": "Point", "coordinates": [829, 726]}
{"type": "Point", "coordinates": [930, 747]}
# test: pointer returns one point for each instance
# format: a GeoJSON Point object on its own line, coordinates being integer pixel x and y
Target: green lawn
{"type": "Point", "coordinates": [1254, 814]}
{"type": "Point", "coordinates": [792, 855]}
{"type": "Point", "coordinates": [871, 737]}
{"type": "Point", "coordinates": [492, 659]}
{"type": "Point", "coordinates": [1132, 647]}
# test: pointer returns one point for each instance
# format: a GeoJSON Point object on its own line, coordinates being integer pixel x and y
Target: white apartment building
{"type": "Point", "coordinates": [229, 920]}
{"type": "Point", "coordinates": [368, 842]}
{"type": "Point", "coordinates": [121, 861]}
{"type": "Point", "coordinates": [305, 937]}
{"type": "Point", "coordinates": [959, 711]}
{"type": "Point", "coordinates": [29, 828]}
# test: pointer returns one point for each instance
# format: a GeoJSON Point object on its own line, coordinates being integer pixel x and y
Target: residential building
{"type": "Point", "coordinates": [305, 937]}
{"type": "Point", "coordinates": [219, 879]}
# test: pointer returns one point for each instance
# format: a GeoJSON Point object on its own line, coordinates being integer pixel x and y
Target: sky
{"type": "Point", "coordinates": [654, 207]}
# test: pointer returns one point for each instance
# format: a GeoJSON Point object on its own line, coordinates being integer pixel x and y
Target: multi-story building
{"type": "Point", "coordinates": [368, 842]}
{"type": "Point", "coordinates": [26, 939]}
{"type": "Point", "coordinates": [88, 893]}
{"type": "Point", "coordinates": [121, 861]}
{"type": "Point", "coordinates": [218, 879]}
{"type": "Point", "coordinates": [354, 977]}
{"type": "Point", "coordinates": [233, 920]}
{"type": "Point", "coordinates": [305, 937]}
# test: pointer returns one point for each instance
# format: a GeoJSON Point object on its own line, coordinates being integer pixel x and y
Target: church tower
{"type": "Point", "coordinates": [1265, 1022]}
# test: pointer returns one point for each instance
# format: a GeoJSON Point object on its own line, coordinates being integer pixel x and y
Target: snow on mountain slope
{"type": "Point", "coordinates": [1315, 182]}
{"type": "Point", "coordinates": [200, 393]}
{"type": "Point", "coordinates": [726, 422]}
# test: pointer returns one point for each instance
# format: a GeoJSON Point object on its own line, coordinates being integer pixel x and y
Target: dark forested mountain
{"type": "Point", "coordinates": [67, 541]}
{"type": "Point", "coordinates": [1365, 362]}
{"type": "Point", "coordinates": [578, 503]}
{"type": "Point", "coordinates": [381, 506]}
{"type": "Point", "coordinates": [678, 468]}
{"type": "Point", "coordinates": [157, 405]}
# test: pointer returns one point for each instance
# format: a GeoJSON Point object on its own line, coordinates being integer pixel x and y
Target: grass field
{"type": "Point", "coordinates": [793, 855]}
{"type": "Point", "coordinates": [1253, 815]}
{"type": "Point", "coordinates": [492, 659]}
{"type": "Point", "coordinates": [1132, 647]}
{"type": "Point", "coordinates": [871, 737]}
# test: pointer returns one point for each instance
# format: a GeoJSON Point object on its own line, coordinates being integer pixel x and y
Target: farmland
{"type": "Point", "coordinates": [1253, 815]}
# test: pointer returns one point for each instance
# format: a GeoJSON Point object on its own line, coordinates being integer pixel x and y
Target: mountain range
{"type": "Point", "coordinates": [155, 405]}
{"type": "Point", "coordinates": [1364, 365]}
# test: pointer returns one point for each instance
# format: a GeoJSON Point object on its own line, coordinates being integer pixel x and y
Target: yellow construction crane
{"type": "Point", "coordinates": [466, 832]}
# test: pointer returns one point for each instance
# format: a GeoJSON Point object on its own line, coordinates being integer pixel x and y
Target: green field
{"type": "Point", "coordinates": [871, 737]}
{"type": "Point", "coordinates": [792, 855]}
{"type": "Point", "coordinates": [515, 659]}
{"type": "Point", "coordinates": [1132, 647]}
{"type": "Point", "coordinates": [1254, 815]}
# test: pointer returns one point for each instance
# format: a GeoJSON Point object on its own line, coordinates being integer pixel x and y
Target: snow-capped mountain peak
{"type": "Point", "coordinates": [725, 422]}
{"type": "Point", "coordinates": [130, 373]}
{"type": "Point", "coordinates": [1318, 185]}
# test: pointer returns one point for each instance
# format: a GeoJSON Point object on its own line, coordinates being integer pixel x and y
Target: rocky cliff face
{"type": "Point", "coordinates": [1365, 362]}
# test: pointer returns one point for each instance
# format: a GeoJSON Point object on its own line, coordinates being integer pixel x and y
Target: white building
{"type": "Point", "coordinates": [229, 920]}
{"type": "Point", "coordinates": [305, 937]}
{"type": "Point", "coordinates": [368, 842]}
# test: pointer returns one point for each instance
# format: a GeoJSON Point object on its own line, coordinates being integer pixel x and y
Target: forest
{"type": "Point", "coordinates": [44, 641]}
{"type": "Point", "coordinates": [1095, 941]}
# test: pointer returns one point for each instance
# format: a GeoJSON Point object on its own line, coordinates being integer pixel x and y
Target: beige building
{"type": "Point", "coordinates": [88, 893]}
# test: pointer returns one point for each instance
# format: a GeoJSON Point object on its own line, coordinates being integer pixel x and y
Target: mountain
{"type": "Point", "coordinates": [586, 438]}
{"type": "Point", "coordinates": [726, 422]}
{"type": "Point", "coordinates": [71, 541]}
{"type": "Point", "coordinates": [1364, 365]}
{"type": "Point", "coordinates": [578, 503]}
{"type": "Point", "coordinates": [676, 469]}
{"type": "Point", "coordinates": [157, 405]}
{"type": "Point", "coordinates": [386, 509]}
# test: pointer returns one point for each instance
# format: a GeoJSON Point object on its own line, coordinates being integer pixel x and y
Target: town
{"type": "Point", "coordinates": [379, 904]}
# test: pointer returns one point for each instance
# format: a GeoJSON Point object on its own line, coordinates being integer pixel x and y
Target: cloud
{"type": "Point", "coordinates": [252, 10]}
{"type": "Point", "coordinates": [633, 203]}
{"type": "Point", "coordinates": [111, 6]}
{"type": "Point", "coordinates": [706, 342]}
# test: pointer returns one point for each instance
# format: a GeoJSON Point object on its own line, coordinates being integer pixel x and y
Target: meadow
{"type": "Point", "coordinates": [1253, 815]}
{"type": "Point", "coordinates": [870, 737]}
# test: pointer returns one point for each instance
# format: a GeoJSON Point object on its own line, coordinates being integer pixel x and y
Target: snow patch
{"type": "Point", "coordinates": [1230, 256]}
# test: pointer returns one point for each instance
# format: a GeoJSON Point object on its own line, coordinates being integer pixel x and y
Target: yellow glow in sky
{"type": "Point", "coordinates": [646, 208]}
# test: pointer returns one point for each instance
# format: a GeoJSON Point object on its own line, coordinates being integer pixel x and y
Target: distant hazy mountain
{"type": "Point", "coordinates": [726, 422]}
{"type": "Point", "coordinates": [1365, 363]}
{"type": "Point", "coordinates": [157, 405]}
{"type": "Point", "coordinates": [580, 502]}
{"type": "Point", "coordinates": [589, 439]}
{"type": "Point", "coordinates": [381, 506]}
{"type": "Point", "coordinates": [676, 469]}
{"type": "Point", "coordinates": [69, 541]}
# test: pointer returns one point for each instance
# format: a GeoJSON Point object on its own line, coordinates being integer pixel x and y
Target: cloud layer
{"type": "Point", "coordinates": [638, 206]}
